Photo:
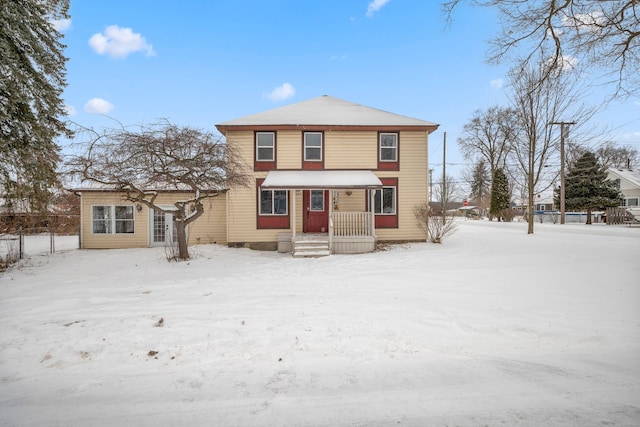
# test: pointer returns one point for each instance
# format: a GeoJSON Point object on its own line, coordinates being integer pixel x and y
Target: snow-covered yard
{"type": "Point", "coordinates": [493, 327]}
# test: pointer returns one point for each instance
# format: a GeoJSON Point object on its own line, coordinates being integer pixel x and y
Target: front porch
{"type": "Point", "coordinates": [349, 233]}
{"type": "Point", "coordinates": [324, 228]}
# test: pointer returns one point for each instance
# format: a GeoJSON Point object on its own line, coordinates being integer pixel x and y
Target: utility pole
{"type": "Point", "coordinates": [562, 136]}
{"type": "Point", "coordinates": [443, 196]}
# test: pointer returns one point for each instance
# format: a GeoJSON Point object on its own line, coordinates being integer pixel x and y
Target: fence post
{"type": "Point", "coordinates": [21, 242]}
{"type": "Point", "coordinates": [52, 243]}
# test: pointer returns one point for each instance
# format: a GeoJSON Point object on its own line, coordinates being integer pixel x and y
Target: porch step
{"type": "Point", "coordinates": [315, 247]}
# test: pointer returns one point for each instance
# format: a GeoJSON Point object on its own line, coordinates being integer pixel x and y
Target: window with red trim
{"type": "Point", "coordinates": [312, 150]}
{"type": "Point", "coordinates": [385, 204]}
{"type": "Point", "coordinates": [265, 151]}
{"type": "Point", "coordinates": [388, 151]}
{"type": "Point", "coordinates": [273, 207]}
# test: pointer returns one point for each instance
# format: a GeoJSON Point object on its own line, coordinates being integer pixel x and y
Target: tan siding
{"type": "Point", "coordinates": [356, 202]}
{"type": "Point", "coordinates": [289, 149]}
{"type": "Point", "coordinates": [242, 204]}
{"type": "Point", "coordinates": [412, 186]}
{"type": "Point", "coordinates": [209, 228]}
{"type": "Point", "coordinates": [138, 239]}
{"type": "Point", "coordinates": [243, 141]}
{"type": "Point", "coordinates": [351, 150]}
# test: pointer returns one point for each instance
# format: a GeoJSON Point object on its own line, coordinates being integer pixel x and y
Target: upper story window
{"type": "Point", "coordinates": [388, 151]}
{"type": "Point", "coordinates": [112, 219]}
{"type": "Point", "coordinates": [313, 146]}
{"type": "Point", "coordinates": [388, 147]}
{"type": "Point", "coordinates": [265, 146]}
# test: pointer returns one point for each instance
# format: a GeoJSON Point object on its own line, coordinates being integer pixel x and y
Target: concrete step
{"type": "Point", "coordinates": [311, 253]}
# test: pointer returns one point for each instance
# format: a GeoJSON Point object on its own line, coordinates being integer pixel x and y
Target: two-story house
{"type": "Point", "coordinates": [330, 176]}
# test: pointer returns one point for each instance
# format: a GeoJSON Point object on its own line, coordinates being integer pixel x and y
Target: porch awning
{"type": "Point", "coordinates": [324, 179]}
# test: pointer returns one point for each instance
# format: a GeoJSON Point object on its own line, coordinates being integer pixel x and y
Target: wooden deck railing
{"type": "Point", "coordinates": [352, 223]}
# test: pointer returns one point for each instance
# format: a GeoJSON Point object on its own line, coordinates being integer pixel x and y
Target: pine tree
{"type": "Point", "coordinates": [480, 185]}
{"type": "Point", "coordinates": [499, 195]}
{"type": "Point", "coordinates": [33, 76]}
{"type": "Point", "coordinates": [587, 187]}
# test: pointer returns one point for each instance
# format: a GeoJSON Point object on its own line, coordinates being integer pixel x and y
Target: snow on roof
{"type": "Point", "coordinates": [631, 175]}
{"type": "Point", "coordinates": [324, 179]}
{"type": "Point", "coordinates": [326, 111]}
{"type": "Point", "coordinates": [160, 188]}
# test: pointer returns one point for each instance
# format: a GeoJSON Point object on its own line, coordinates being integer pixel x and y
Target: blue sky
{"type": "Point", "coordinates": [203, 62]}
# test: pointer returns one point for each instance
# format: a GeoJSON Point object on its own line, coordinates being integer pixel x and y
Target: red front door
{"type": "Point", "coordinates": [316, 211]}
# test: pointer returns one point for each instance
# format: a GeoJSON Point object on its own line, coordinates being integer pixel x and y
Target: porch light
{"type": "Point", "coordinates": [139, 207]}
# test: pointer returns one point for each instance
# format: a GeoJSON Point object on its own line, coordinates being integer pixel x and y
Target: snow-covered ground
{"type": "Point", "coordinates": [493, 327]}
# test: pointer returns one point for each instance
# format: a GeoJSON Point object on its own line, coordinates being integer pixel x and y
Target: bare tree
{"type": "Point", "coordinates": [540, 102]}
{"type": "Point", "coordinates": [602, 35]}
{"type": "Point", "coordinates": [608, 154]}
{"type": "Point", "coordinates": [161, 157]}
{"type": "Point", "coordinates": [434, 219]}
{"type": "Point", "coordinates": [489, 136]}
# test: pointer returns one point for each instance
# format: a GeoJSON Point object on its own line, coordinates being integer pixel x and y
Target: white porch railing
{"type": "Point", "coordinates": [352, 224]}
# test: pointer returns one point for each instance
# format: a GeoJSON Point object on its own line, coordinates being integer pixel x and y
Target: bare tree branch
{"type": "Point", "coordinates": [161, 157]}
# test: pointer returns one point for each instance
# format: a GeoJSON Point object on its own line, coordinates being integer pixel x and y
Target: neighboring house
{"type": "Point", "coordinates": [541, 204]}
{"type": "Point", "coordinates": [329, 176]}
{"type": "Point", "coordinates": [629, 185]}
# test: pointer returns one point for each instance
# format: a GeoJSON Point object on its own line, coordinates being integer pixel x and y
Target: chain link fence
{"type": "Point", "coordinates": [20, 242]}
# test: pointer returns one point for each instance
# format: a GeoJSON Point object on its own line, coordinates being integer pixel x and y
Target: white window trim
{"type": "Point", "coordinates": [314, 147]}
{"type": "Point", "coordinates": [311, 201]}
{"type": "Point", "coordinates": [395, 159]}
{"type": "Point", "coordinates": [395, 201]}
{"type": "Point", "coordinates": [113, 219]}
{"type": "Point", "coordinates": [626, 202]}
{"type": "Point", "coordinates": [273, 147]}
{"type": "Point", "coordinates": [273, 199]}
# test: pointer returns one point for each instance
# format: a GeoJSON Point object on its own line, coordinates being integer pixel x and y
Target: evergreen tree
{"type": "Point", "coordinates": [587, 187]}
{"type": "Point", "coordinates": [32, 70]}
{"type": "Point", "coordinates": [480, 185]}
{"type": "Point", "coordinates": [499, 195]}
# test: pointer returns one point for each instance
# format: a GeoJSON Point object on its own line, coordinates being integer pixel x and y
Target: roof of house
{"type": "Point", "coordinates": [631, 175]}
{"type": "Point", "coordinates": [326, 112]}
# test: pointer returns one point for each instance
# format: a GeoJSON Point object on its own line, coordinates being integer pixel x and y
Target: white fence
{"type": "Point", "coordinates": [352, 224]}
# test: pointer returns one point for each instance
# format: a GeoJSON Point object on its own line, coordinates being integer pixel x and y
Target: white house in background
{"type": "Point", "coordinates": [629, 185]}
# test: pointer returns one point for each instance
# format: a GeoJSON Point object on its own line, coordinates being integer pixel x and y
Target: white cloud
{"type": "Point", "coordinates": [281, 92]}
{"type": "Point", "coordinates": [61, 24]}
{"type": "Point", "coordinates": [98, 106]}
{"type": "Point", "coordinates": [593, 21]}
{"type": "Point", "coordinates": [119, 42]}
{"type": "Point", "coordinates": [631, 135]}
{"type": "Point", "coordinates": [374, 6]}
{"type": "Point", "coordinates": [338, 57]}
{"type": "Point", "coordinates": [497, 83]}
{"type": "Point", "coordinates": [70, 110]}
